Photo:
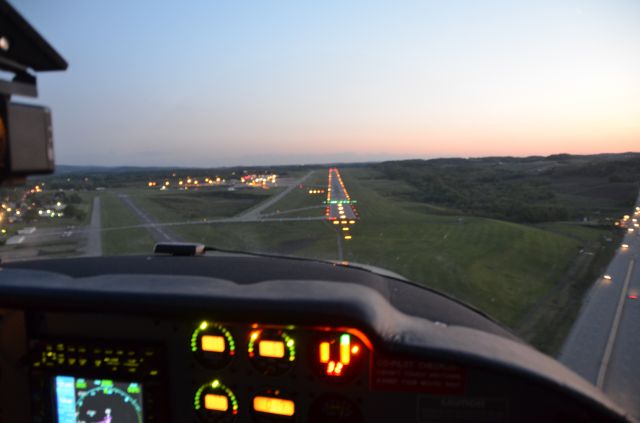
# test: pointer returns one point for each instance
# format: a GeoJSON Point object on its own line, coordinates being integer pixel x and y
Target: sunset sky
{"type": "Point", "coordinates": [208, 83]}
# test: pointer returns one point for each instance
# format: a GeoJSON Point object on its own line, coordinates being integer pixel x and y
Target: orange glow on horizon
{"type": "Point", "coordinates": [527, 143]}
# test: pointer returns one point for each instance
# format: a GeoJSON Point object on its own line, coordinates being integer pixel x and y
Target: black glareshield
{"type": "Point", "coordinates": [26, 140]}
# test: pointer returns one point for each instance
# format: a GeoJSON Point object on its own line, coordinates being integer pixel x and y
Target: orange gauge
{"type": "Point", "coordinates": [271, 351]}
{"type": "Point", "coordinates": [272, 406]}
{"type": "Point", "coordinates": [212, 344]}
{"type": "Point", "coordinates": [215, 403]}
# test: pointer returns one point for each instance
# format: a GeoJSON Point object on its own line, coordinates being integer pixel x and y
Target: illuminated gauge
{"type": "Point", "coordinates": [212, 344]}
{"type": "Point", "coordinates": [215, 403]}
{"type": "Point", "coordinates": [334, 408]}
{"type": "Point", "coordinates": [271, 351]}
{"type": "Point", "coordinates": [273, 406]}
{"type": "Point", "coordinates": [338, 356]}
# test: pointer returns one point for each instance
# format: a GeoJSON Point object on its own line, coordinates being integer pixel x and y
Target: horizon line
{"type": "Point", "coordinates": [328, 163]}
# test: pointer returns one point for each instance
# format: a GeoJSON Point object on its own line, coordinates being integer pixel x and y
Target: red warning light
{"type": "Point", "coordinates": [338, 369]}
{"type": "Point", "coordinates": [331, 367]}
{"type": "Point", "coordinates": [336, 355]}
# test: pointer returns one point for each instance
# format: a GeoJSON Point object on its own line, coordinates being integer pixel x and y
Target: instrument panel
{"type": "Point", "coordinates": [280, 363]}
{"type": "Point", "coordinates": [225, 371]}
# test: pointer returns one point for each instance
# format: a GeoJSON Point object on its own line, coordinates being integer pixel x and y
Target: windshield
{"type": "Point", "coordinates": [481, 149]}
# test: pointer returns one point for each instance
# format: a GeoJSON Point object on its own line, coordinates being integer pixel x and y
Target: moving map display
{"type": "Point", "coordinates": [80, 400]}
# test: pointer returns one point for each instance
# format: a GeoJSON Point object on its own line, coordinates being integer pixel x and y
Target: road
{"type": "Point", "coordinates": [255, 213]}
{"type": "Point", "coordinates": [94, 234]}
{"type": "Point", "coordinates": [604, 343]}
{"type": "Point", "coordinates": [338, 199]}
{"type": "Point", "coordinates": [158, 232]}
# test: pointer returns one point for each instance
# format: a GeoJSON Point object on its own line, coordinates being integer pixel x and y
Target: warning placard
{"type": "Point", "coordinates": [404, 374]}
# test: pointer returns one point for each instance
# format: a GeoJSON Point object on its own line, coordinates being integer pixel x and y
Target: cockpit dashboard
{"type": "Point", "coordinates": [231, 338]}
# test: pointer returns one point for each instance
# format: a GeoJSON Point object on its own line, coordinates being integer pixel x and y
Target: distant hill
{"type": "Point", "coordinates": [524, 189]}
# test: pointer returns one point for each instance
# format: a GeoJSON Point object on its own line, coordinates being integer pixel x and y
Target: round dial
{"type": "Point", "coordinates": [213, 345]}
{"type": "Point", "coordinates": [271, 351]}
{"type": "Point", "coordinates": [215, 403]}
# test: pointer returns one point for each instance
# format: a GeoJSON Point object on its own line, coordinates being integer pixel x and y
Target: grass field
{"type": "Point", "coordinates": [176, 206]}
{"type": "Point", "coordinates": [550, 322]}
{"type": "Point", "coordinates": [583, 233]}
{"type": "Point", "coordinates": [530, 277]}
{"type": "Point", "coordinates": [122, 241]}
{"type": "Point", "coordinates": [500, 267]}
{"type": "Point", "coordinates": [300, 202]}
{"type": "Point", "coordinates": [503, 268]}
{"type": "Point", "coordinates": [310, 239]}
{"type": "Point", "coordinates": [314, 239]}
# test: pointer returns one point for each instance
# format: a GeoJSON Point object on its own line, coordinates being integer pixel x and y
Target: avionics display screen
{"type": "Point", "coordinates": [80, 400]}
